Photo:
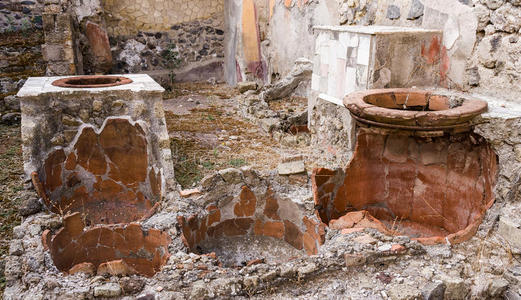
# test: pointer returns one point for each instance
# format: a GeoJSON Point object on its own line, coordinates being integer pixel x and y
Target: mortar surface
{"type": "Point", "coordinates": [238, 251]}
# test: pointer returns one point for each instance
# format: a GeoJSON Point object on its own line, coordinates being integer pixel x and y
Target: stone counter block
{"type": "Point", "coordinates": [90, 145]}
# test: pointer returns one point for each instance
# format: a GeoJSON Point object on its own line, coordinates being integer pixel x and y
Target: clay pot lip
{"type": "Point", "coordinates": [113, 81]}
{"type": "Point", "coordinates": [409, 119]}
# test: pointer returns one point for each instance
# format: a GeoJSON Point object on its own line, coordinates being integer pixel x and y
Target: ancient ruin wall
{"type": "Point", "coordinates": [481, 37]}
{"type": "Point", "coordinates": [261, 215]}
{"type": "Point", "coordinates": [20, 15]}
{"type": "Point", "coordinates": [127, 17]}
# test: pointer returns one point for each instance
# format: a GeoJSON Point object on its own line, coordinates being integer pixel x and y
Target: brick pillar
{"type": "Point", "coordinates": [58, 50]}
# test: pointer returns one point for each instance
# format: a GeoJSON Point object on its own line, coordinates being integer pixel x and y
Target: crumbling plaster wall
{"type": "Point", "coordinates": [155, 37]}
{"type": "Point", "coordinates": [127, 17]}
{"type": "Point", "coordinates": [481, 38]}
{"type": "Point", "coordinates": [265, 38]}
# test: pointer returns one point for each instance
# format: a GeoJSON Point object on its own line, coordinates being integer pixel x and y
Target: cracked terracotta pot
{"type": "Point", "coordinates": [254, 215]}
{"type": "Point", "coordinates": [110, 249]}
{"type": "Point", "coordinates": [413, 109]}
{"type": "Point", "coordinates": [417, 169]}
{"type": "Point", "coordinates": [105, 175]}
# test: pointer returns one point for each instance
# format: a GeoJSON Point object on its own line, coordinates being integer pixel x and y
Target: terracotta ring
{"type": "Point", "coordinates": [91, 81]}
{"type": "Point", "coordinates": [413, 109]}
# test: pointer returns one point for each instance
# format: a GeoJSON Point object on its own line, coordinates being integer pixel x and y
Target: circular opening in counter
{"type": "Point", "coordinates": [93, 81]}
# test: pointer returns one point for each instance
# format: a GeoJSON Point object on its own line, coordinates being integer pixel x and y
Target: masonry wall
{"type": "Point", "coordinates": [127, 17]}
{"type": "Point", "coordinates": [20, 15]}
{"type": "Point", "coordinates": [267, 37]}
{"type": "Point", "coordinates": [21, 37]}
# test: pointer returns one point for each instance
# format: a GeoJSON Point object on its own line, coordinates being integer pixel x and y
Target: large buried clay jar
{"type": "Point", "coordinates": [418, 169]}
{"type": "Point", "coordinates": [251, 227]}
{"type": "Point", "coordinates": [105, 175]}
{"type": "Point", "coordinates": [115, 250]}
{"type": "Point", "coordinates": [97, 145]}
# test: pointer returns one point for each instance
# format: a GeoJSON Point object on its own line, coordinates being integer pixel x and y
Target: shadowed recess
{"type": "Point", "coordinates": [91, 81]}
{"type": "Point", "coordinates": [264, 222]}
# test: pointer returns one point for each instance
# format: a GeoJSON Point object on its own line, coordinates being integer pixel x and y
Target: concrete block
{"type": "Point", "coordinates": [292, 167]}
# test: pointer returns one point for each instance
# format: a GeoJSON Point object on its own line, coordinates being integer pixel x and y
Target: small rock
{"type": "Point", "coordinates": [246, 86]}
{"type": "Point", "coordinates": [434, 291]}
{"type": "Point", "coordinates": [494, 4]}
{"type": "Point", "coordinates": [251, 281]}
{"type": "Point", "coordinates": [70, 121]}
{"type": "Point", "coordinates": [11, 118]}
{"type": "Point", "coordinates": [416, 10]}
{"type": "Point", "coordinates": [354, 259]}
{"type": "Point", "coordinates": [287, 271]}
{"type": "Point", "coordinates": [51, 283]}
{"type": "Point", "coordinates": [35, 229]}
{"type": "Point", "coordinates": [231, 175]}
{"type": "Point", "coordinates": [393, 12]}
{"type": "Point", "coordinates": [189, 193]}
{"type": "Point", "coordinates": [506, 18]}
{"type": "Point", "coordinates": [301, 72]}
{"type": "Point", "coordinates": [474, 77]}
{"type": "Point", "coordinates": [16, 248]}
{"type": "Point", "coordinates": [385, 248]}
{"type": "Point", "coordinates": [132, 285]}
{"type": "Point", "coordinates": [365, 239]}
{"type": "Point", "coordinates": [292, 167]}
{"type": "Point", "coordinates": [108, 290]}
{"type": "Point", "coordinates": [209, 181]}
{"type": "Point", "coordinates": [307, 269]}
{"type": "Point", "coordinates": [30, 207]}
{"type": "Point", "coordinates": [512, 295]}
{"type": "Point", "coordinates": [97, 105]}
{"type": "Point", "coordinates": [498, 287]}
{"type": "Point", "coordinates": [397, 249]}
{"type": "Point", "coordinates": [269, 124]}
{"type": "Point", "coordinates": [12, 103]}
{"type": "Point", "coordinates": [510, 231]}
{"type": "Point", "coordinates": [199, 290]}
{"type": "Point", "coordinates": [456, 288]}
